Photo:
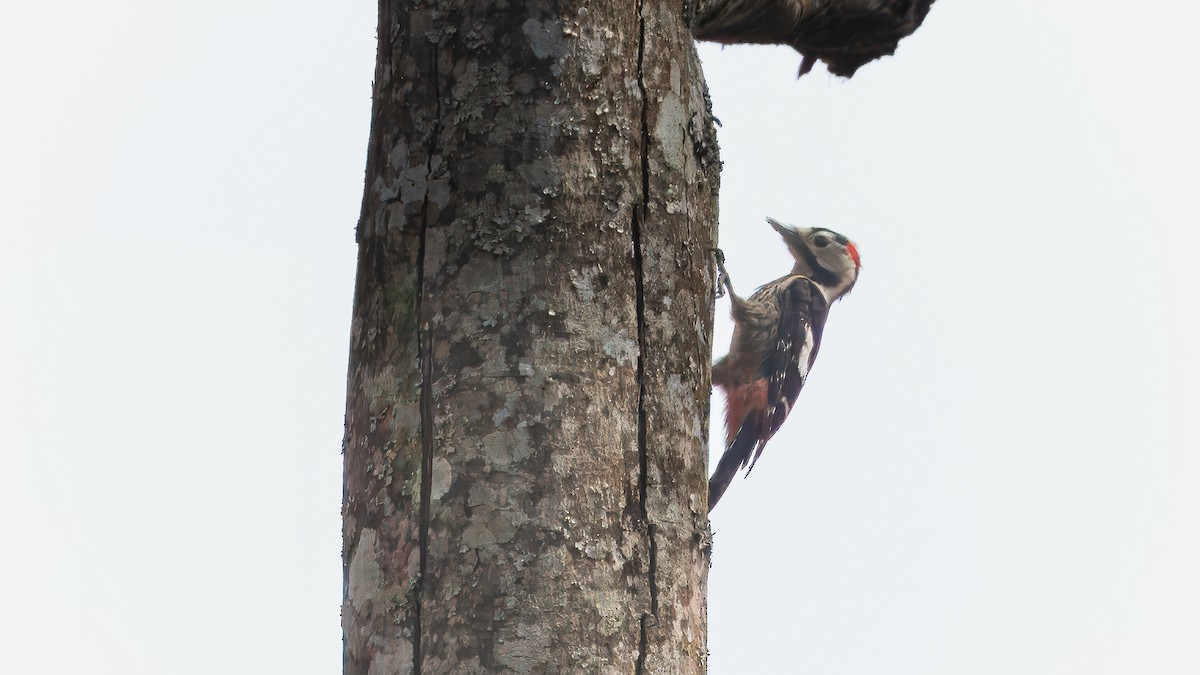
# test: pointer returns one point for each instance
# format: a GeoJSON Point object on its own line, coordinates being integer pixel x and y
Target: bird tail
{"type": "Point", "coordinates": [736, 455]}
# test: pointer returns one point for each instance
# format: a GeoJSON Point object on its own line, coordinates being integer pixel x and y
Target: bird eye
{"type": "Point", "coordinates": [821, 242]}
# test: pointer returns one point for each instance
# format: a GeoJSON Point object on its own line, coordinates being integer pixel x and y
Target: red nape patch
{"type": "Point", "coordinates": [853, 254]}
{"type": "Point", "coordinates": [740, 402]}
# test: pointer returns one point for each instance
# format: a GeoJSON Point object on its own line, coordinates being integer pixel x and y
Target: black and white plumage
{"type": "Point", "coordinates": [776, 337]}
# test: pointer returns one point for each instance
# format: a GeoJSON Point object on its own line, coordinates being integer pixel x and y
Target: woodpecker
{"type": "Point", "coordinates": [776, 335]}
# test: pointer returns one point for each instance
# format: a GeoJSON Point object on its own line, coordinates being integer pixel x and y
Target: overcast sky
{"type": "Point", "coordinates": [993, 468]}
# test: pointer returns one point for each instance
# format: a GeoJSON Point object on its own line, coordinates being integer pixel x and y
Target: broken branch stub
{"type": "Point", "coordinates": [845, 34]}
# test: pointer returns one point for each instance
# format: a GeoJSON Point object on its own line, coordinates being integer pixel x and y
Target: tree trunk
{"type": "Point", "coordinates": [526, 426]}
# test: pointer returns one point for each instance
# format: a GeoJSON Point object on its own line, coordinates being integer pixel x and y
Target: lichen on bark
{"type": "Point", "coordinates": [528, 392]}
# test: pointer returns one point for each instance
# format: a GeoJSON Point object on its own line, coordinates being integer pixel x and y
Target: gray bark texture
{"type": "Point", "coordinates": [528, 396]}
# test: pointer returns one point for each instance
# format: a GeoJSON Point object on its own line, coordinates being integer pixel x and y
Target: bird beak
{"type": "Point", "coordinates": [780, 227]}
{"type": "Point", "coordinates": [791, 236]}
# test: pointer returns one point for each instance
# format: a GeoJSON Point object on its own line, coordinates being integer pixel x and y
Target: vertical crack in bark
{"type": "Point", "coordinates": [426, 350]}
{"type": "Point", "coordinates": [642, 647]}
{"type": "Point", "coordinates": [425, 356]}
{"type": "Point", "coordinates": [639, 216]}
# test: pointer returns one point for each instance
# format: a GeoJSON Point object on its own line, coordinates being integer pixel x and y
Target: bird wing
{"type": "Point", "coordinates": [756, 409]}
{"type": "Point", "coordinates": [802, 313]}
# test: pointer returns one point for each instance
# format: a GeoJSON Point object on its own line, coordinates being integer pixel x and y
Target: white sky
{"type": "Point", "coordinates": [992, 470]}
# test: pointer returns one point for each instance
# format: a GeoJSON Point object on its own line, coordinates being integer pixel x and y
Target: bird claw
{"type": "Point", "coordinates": [722, 275]}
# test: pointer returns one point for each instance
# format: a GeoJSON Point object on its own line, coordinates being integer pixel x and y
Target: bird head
{"type": "Point", "coordinates": [828, 258]}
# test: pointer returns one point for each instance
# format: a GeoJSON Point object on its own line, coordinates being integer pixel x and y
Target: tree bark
{"type": "Point", "coordinates": [526, 426]}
